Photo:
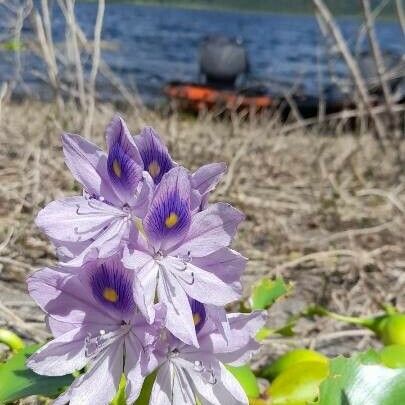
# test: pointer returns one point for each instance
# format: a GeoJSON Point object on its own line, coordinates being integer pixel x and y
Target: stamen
{"type": "Point", "coordinates": [95, 345]}
{"type": "Point", "coordinates": [171, 220]}
{"type": "Point", "coordinates": [198, 366]}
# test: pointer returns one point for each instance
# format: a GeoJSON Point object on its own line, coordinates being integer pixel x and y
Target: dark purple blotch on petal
{"type": "Point", "coordinates": [169, 216]}
{"type": "Point", "coordinates": [111, 285]}
{"type": "Point", "coordinates": [199, 314]}
{"type": "Point", "coordinates": [154, 153]}
{"type": "Point", "coordinates": [122, 169]}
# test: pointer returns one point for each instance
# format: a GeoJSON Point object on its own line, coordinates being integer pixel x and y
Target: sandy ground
{"type": "Point", "coordinates": [325, 212]}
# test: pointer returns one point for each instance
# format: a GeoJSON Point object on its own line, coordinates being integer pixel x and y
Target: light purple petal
{"type": "Point", "coordinates": [169, 216]}
{"type": "Point", "coordinates": [161, 390]}
{"type": "Point", "coordinates": [107, 244]}
{"type": "Point", "coordinates": [241, 343]}
{"type": "Point", "coordinates": [124, 163]}
{"type": "Point", "coordinates": [154, 153]}
{"type": "Point", "coordinates": [66, 298]}
{"type": "Point", "coordinates": [225, 263]}
{"type": "Point", "coordinates": [76, 219]}
{"type": "Point", "coordinates": [61, 356]}
{"type": "Point", "coordinates": [228, 390]}
{"type": "Point", "coordinates": [100, 384]}
{"type": "Point", "coordinates": [210, 230]}
{"type": "Point", "coordinates": [179, 319]}
{"type": "Point", "coordinates": [88, 164]}
{"type": "Point", "coordinates": [144, 196]}
{"type": "Point", "coordinates": [133, 372]}
{"type": "Point", "coordinates": [146, 271]}
{"type": "Point", "coordinates": [207, 177]}
{"type": "Point", "coordinates": [200, 284]}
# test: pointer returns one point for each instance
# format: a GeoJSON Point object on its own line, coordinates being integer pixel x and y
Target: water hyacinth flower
{"type": "Point", "coordinates": [116, 192]}
{"type": "Point", "coordinates": [97, 327]}
{"type": "Point", "coordinates": [157, 161]}
{"type": "Point", "coordinates": [169, 255]}
{"type": "Point", "coordinates": [187, 374]}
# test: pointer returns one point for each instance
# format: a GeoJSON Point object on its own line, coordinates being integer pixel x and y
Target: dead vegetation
{"type": "Point", "coordinates": [325, 212]}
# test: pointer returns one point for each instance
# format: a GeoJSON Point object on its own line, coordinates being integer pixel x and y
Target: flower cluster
{"type": "Point", "coordinates": [145, 270]}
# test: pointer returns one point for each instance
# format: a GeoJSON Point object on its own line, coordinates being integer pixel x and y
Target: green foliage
{"type": "Point", "coordinates": [362, 380]}
{"type": "Point", "coordinates": [299, 383]}
{"type": "Point", "coordinates": [120, 397]}
{"type": "Point", "coordinates": [266, 292]}
{"type": "Point", "coordinates": [393, 356]}
{"type": "Point", "coordinates": [13, 45]}
{"type": "Point", "coordinates": [246, 379]}
{"type": "Point", "coordinates": [18, 381]}
{"type": "Point", "coordinates": [10, 339]}
{"type": "Point", "coordinates": [291, 358]}
{"type": "Point", "coordinates": [146, 391]}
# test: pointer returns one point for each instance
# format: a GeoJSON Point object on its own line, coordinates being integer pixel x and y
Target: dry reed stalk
{"type": "Point", "coordinates": [354, 69]}
{"type": "Point", "coordinates": [401, 14]}
{"type": "Point", "coordinates": [379, 62]}
{"type": "Point", "coordinates": [94, 69]}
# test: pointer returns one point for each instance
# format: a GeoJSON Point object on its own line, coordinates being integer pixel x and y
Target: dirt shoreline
{"type": "Point", "coordinates": [327, 213]}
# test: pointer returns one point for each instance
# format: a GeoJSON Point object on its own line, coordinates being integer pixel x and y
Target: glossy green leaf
{"type": "Point", "coordinates": [246, 379]}
{"type": "Point", "coordinates": [265, 292]}
{"type": "Point", "coordinates": [393, 356]}
{"type": "Point", "coordinates": [298, 384]}
{"type": "Point", "coordinates": [391, 329]}
{"type": "Point", "coordinates": [361, 380]}
{"type": "Point", "coordinates": [17, 381]}
{"type": "Point", "coordinates": [291, 358]}
{"type": "Point", "coordinates": [10, 339]}
{"type": "Point", "coordinates": [144, 396]}
{"type": "Point", "coordinates": [120, 397]}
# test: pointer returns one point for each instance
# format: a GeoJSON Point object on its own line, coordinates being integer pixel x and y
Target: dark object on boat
{"type": "Point", "coordinates": [222, 61]}
{"type": "Point", "coordinates": [195, 97]}
{"type": "Point", "coordinates": [223, 64]}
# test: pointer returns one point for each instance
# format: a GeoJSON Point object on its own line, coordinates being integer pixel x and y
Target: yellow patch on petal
{"type": "Point", "coordinates": [171, 220]}
{"type": "Point", "coordinates": [117, 168]}
{"type": "Point", "coordinates": [196, 319]}
{"type": "Point", "coordinates": [110, 295]}
{"type": "Point", "coordinates": [154, 169]}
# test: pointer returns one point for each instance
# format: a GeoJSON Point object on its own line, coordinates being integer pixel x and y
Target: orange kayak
{"type": "Point", "coordinates": [197, 97]}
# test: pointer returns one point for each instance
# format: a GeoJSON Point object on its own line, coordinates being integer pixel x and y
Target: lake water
{"type": "Point", "coordinates": [156, 44]}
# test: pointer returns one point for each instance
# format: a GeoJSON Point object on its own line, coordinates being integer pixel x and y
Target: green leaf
{"type": "Point", "coordinates": [120, 397]}
{"type": "Point", "coordinates": [144, 396]}
{"type": "Point", "coordinates": [351, 381]}
{"type": "Point", "coordinates": [291, 358]}
{"type": "Point", "coordinates": [393, 356]}
{"type": "Point", "coordinates": [266, 292]}
{"type": "Point", "coordinates": [298, 384]}
{"type": "Point", "coordinates": [246, 379]}
{"type": "Point", "coordinates": [18, 381]}
{"type": "Point", "coordinates": [10, 339]}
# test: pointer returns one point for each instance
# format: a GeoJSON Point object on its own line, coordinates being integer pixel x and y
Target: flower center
{"type": "Point", "coordinates": [154, 169]}
{"type": "Point", "coordinates": [171, 220]}
{"type": "Point", "coordinates": [117, 168]}
{"type": "Point", "coordinates": [110, 295]}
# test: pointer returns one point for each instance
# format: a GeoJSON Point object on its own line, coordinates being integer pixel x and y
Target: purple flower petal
{"type": "Point", "coordinates": [168, 219]}
{"type": "Point", "coordinates": [207, 177]}
{"type": "Point", "coordinates": [88, 164]}
{"type": "Point", "coordinates": [154, 153]}
{"type": "Point", "coordinates": [210, 230]}
{"type": "Point", "coordinates": [179, 319]}
{"type": "Point", "coordinates": [61, 356]}
{"type": "Point", "coordinates": [124, 163]}
{"type": "Point", "coordinates": [76, 219]}
{"type": "Point", "coordinates": [112, 286]}
{"type": "Point", "coordinates": [199, 315]}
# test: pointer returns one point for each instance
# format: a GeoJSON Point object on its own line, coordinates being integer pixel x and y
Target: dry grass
{"type": "Point", "coordinates": [326, 213]}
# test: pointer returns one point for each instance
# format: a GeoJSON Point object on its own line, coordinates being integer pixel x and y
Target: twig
{"type": "Point", "coordinates": [401, 14]}
{"type": "Point", "coordinates": [353, 68]}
